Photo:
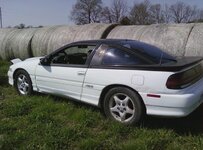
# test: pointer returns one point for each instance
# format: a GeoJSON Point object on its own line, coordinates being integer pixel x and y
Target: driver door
{"type": "Point", "coordinates": [65, 73]}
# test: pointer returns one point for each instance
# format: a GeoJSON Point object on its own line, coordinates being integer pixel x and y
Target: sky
{"type": "Point", "coordinates": [54, 12]}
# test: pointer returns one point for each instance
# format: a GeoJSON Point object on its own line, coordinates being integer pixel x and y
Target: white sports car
{"type": "Point", "coordinates": [126, 78]}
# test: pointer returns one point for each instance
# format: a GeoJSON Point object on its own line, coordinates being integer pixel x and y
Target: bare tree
{"type": "Point", "coordinates": [156, 13]}
{"type": "Point", "coordinates": [20, 26]}
{"type": "Point", "coordinates": [119, 10]}
{"type": "Point", "coordinates": [107, 16]}
{"type": "Point", "coordinates": [166, 14]}
{"type": "Point", "coordinates": [198, 17]}
{"type": "Point", "coordinates": [140, 14]}
{"type": "Point", "coordinates": [125, 21]}
{"type": "Point", "coordinates": [181, 12]}
{"type": "Point", "coordinates": [201, 14]}
{"type": "Point", "coordinates": [144, 13]}
{"type": "Point", "coordinates": [86, 11]}
{"type": "Point", "coordinates": [116, 12]}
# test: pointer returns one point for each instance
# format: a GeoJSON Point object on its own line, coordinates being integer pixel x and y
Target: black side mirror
{"type": "Point", "coordinates": [45, 61]}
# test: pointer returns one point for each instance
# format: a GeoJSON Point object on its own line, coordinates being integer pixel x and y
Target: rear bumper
{"type": "Point", "coordinates": [171, 111]}
{"type": "Point", "coordinates": [175, 105]}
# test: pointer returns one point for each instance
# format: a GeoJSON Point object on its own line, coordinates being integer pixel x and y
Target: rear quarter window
{"type": "Point", "coordinates": [150, 52]}
{"type": "Point", "coordinates": [115, 56]}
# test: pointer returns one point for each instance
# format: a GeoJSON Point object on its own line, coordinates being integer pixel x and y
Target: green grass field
{"type": "Point", "coordinates": [49, 122]}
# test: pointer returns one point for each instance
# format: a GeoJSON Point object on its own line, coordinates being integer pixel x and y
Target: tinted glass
{"type": "Point", "coordinates": [114, 56]}
{"type": "Point", "coordinates": [76, 55]}
{"type": "Point", "coordinates": [151, 52]}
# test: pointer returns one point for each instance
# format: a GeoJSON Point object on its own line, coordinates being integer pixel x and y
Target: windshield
{"type": "Point", "coordinates": [150, 52]}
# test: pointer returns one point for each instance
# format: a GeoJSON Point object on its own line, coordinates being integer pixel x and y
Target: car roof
{"type": "Point", "coordinates": [112, 41]}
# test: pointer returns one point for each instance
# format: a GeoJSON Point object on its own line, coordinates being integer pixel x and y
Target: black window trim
{"type": "Point", "coordinates": [122, 48]}
{"type": "Point", "coordinates": [87, 63]}
{"type": "Point", "coordinates": [69, 65]}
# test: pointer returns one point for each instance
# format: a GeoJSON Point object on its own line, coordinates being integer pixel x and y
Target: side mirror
{"type": "Point", "coordinates": [45, 61]}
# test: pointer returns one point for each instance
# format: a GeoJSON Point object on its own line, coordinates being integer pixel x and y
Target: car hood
{"type": "Point", "coordinates": [32, 59]}
{"type": "Point", "coordinates": [29, 64]}
{"type": "Point", "coordinates": [17, 60]}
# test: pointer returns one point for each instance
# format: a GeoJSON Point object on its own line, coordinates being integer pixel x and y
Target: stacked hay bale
{"type": "Point", "coordinates": [177, 39]}
{"type": "Point", "coordinates": [15, 43]}
{"type": "Point", "coordinates": [25, 43]}
{"type": "Point", "coordinates": [4, 38]}
{"type": "Point", "coordinates": [20, 45]}
{"type": "Point", "coordinates": [194, 46]}
{"type": "Point", "coordinates": [48, 39]}
{"type": "Point", "coordinates": [40, 40]}
{"type": "Point", "coordinates": [169, 37]}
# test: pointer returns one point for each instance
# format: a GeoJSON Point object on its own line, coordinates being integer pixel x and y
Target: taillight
{"type": "Point", "coordinates": [184, 79]}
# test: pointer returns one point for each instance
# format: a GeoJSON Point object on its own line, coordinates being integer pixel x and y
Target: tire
{"type": "Point", "coordinates": [23, 83]}
{"type": "Point", "coordinates": [123, 105]}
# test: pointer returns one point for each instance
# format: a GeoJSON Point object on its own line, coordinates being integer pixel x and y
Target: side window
{"type": "Point", "coordinates": [115, 56]}
{"type": "Point", "coordinates": [75, 55]}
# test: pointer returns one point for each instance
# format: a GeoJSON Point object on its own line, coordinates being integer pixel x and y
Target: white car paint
{"type": "Point", "coordinates": [14, 61]}
{"type": "Point", "coordinates": [86, 85]}
{"type": "Point", "coordinates": [67, 81]}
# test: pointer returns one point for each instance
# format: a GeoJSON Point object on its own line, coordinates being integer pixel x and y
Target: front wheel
{"type": "Point", "coordinates": [123, 105]}
{"type": "Point", "coordinates": [23, 83]}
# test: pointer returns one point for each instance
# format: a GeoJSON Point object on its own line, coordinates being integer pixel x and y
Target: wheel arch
{"type": "Point", "coordinates": [19, 69]}
{"type": "Point", "coordinates": [107, 88]}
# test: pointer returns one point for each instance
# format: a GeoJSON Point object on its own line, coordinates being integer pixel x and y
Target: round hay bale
{"type": "Point", "coordinates": [3, 40]}
{"type": "Point", "coordinates": [92, 31]}
{"type": "Point", "coordinates": [194, 45]}
{"type": "Point", "coordinates": [169, 37]}
{"type": "Point", "coordinates": [41, 39]}
{"type": "Point", "coordinates": [66, 34]}
{"type": "Point", "coordinates": [61, 36]}
{"type": "Point", "coordinates": [48, 39]}
{"type": "Point", "coordinates": [20, 45]}
{"type": "Point", "coordinates": [127, 32]}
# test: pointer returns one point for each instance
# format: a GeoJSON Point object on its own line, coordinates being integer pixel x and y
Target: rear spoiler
{"type": "Point", "coordinates": [17, 60]}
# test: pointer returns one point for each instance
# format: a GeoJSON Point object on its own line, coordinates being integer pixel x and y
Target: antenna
{"type": "Point", "coordinates": [1, 18]}
{"type": "Point", "coordinates": [161, 58]}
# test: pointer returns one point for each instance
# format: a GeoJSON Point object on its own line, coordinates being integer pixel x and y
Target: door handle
{"type": "Point", "coordinates": [81, 73]}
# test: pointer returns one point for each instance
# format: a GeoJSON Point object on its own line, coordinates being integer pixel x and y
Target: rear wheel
{"type": "Point", "coordinates": [23, 83]}
{"type": "Point", "coordinates": [123, 105]}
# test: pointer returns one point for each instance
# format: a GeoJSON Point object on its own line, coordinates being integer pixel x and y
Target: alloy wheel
{"type": "Point", "coordinates": [122, 107]}
{"type": "Point", "coordinates": [22, 84]}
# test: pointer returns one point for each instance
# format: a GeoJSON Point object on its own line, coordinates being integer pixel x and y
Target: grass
{"type": "Point", "coordinates": [48, 122]}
